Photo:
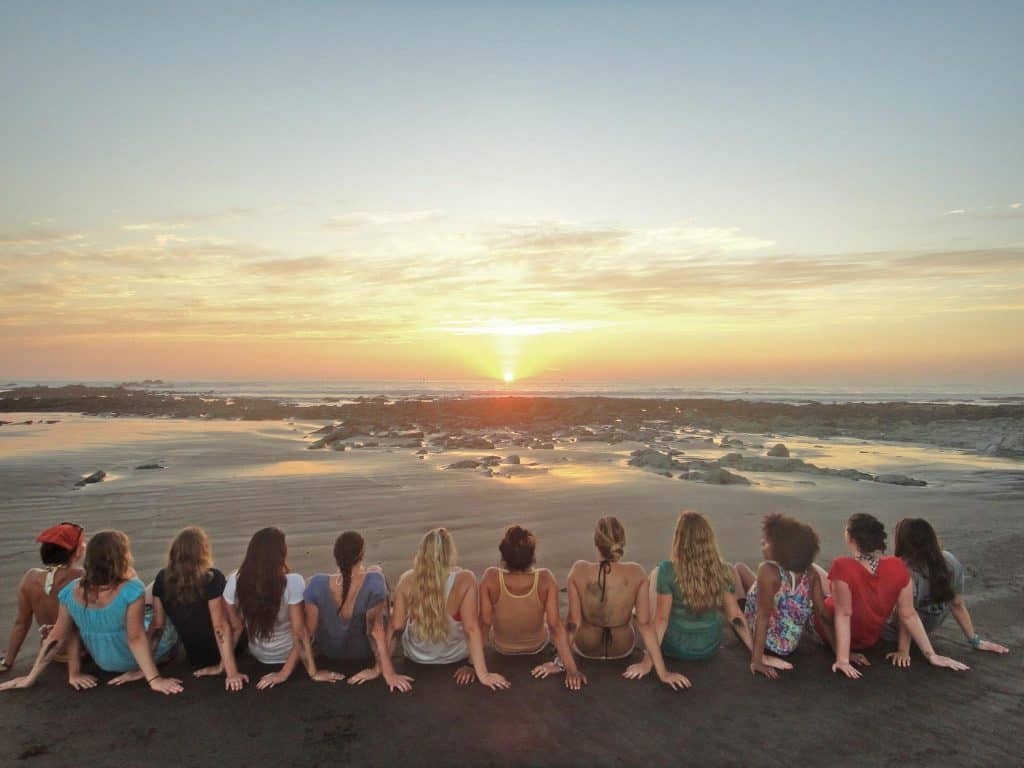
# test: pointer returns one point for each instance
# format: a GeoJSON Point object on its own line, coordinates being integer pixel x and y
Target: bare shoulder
{"type": "Point", "coordinates": [405, 580]}
{"type": "Point", "coordinates": [635, 570]}
{"type": "Point", "coordinates": [545, 576]}
{"type": "Point", "coordinates": [464, 577]}
{"type": "Point", "coordinates": [579, 567]}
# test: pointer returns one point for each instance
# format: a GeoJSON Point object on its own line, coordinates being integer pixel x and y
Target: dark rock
{"type": "Point", "coordinates": [465, 464]}
{"type": "Point", "coordinates": [779, 450]}
{"type": "Point", "coordinates": [490, 461]}
{"type": "Point", "coordinates": [899, 480]}
{"type": "Point", "coordinates": [95, 477]}
{"type": "Point", "coordinates": [151, 465]}
{"type": "Point", "coordinates": [513, 459]}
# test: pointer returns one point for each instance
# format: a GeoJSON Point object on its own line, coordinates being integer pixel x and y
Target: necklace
{"type": "Point", "coordinates": [871, 560]}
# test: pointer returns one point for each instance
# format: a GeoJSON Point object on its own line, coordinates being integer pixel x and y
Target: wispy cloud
{"type": "Point", "coordinates": [955, 212]}
{"type": "Point", "coordinates": [348, 222]}
{"type": "Point", "coordinates": [188, 221]}
{"type": "Point", "coordinates": [39, 237]}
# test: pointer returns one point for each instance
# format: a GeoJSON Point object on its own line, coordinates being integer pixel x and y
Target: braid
{"type": "Point", "coordinates": [348, 551]}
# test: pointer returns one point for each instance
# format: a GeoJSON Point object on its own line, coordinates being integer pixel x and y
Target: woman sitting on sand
{"type": "Point", "coordinates": [691, 592]}
{"type": "Point", "coordinates": [106, 606]}
{"type": "Point", "coordinates": [938, 582]}
{"type": "Point", "coordinates": [265, 598]}
{"type": "Point", "coordinates": [436, 605]}
{"type": "Point", "coordinates": [60, 549]}
{"type": "Point", "coordinates": [862, 592]}
{"type": "Point", "coordinates": [342, 609]}
{"type": "Point", "coordinates": [189, 591]}
{"type": "Point", "coordinates": [519, 607]}
{"type": "Point", "coordinates": [785, 591]}
{"type": "Point", "coordinates": [605, 597]}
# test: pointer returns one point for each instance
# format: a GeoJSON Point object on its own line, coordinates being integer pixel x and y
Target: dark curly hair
{"type": "Point", "coordinates": [794, 544]}
{"type": "Point", "coordinates": [518, 548]}
{"type": "Point", "coordinates": [867, 532]}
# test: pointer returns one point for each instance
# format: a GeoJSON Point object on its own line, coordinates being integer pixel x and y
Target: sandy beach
{"type": "Point", "coordinates": [233, 477]}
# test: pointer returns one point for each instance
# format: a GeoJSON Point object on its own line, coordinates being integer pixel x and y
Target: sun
{"type": "Point", "coordinates": [508, 377]}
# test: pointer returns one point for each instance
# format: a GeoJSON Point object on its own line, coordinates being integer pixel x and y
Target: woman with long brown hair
{"type": "Point", "coordinates": [265, 598]}
{"type": "Point", "coordinates": [606, 597]}
{"type": "Point", "coordinates": [106, 607]}
{"type": "Point", "coordinates": [693, 590]}
{"type": "Point", "coordinates": [343, 608]}
{"type": "Point", "coordinates": [938, 582]}
{"type": "Point", "coordinates": [189, 591]}
{"type": "Point", "coordinates": [437, 611]}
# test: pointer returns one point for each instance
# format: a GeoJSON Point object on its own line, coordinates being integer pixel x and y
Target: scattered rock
{"type": "Point", "coordinates": [779, 450]}
{"type": "Point", "coordinates": [151, 465]}
{"type": "Point", "coordinates": [652, 459]}
{"type": "Point", "coordinates": [465, 464]}
{"type": "Point", "coordinates": [422, 452]}
{"type": "Point", "coordinates": [899, 480]}
{"type": "Point", "coordinates": [95, 477]}
{"type": "Point", "coordinates": [490, 461]}
{"type": "Point", "coordinates": [513, 459]}
{"type": "Point", "coordinates": [716, 476]}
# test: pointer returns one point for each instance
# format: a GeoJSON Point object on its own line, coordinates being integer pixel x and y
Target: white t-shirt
{"type": "Point", "coordinates": [273, 649]}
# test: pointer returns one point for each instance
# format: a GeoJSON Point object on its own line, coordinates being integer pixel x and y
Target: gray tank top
{"type": "Point", "coordinates": [451, 649]}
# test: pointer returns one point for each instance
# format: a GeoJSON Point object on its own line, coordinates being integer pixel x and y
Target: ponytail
{"type": "Point", "coordinates": [348, 551]}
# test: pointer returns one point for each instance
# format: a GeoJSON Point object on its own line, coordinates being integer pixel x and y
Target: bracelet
{"type": "Point", "coordinates": [154, 677]}
{"type": "Point", "coordinates": [975, 641]}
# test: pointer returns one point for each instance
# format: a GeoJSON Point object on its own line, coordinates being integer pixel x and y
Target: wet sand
{"type": "Point", "coordinates": [234, 477]}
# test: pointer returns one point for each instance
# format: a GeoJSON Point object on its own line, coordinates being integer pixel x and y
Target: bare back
{"type": "Point", "coordinates": [45, 605]}
{"type": "Point", "coordinates": [605, 605]}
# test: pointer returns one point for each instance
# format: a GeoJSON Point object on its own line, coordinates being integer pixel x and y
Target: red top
{"type": "Point", "coordinates": [874, 595]}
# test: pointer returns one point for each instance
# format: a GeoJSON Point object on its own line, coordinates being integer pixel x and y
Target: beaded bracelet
{"type": "Point", "coordinates": [975, 641]}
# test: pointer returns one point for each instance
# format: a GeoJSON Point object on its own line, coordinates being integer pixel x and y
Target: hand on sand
{"type": "Point", "coordinates": [544, 670]}
{"type": "Point", "coordinates": [214, 671]}
{"type": "Point", "coordinates": [364, 676]}
{"type": "Point", "coordinates": [988, 645]}
{"type": "Point", "coordinates": [17, 682]}
{"type": "Point", "coordinates": [494, 681]}
{"type": "Point", "coordinates": [859, 659]}
{"type": "Point", "coordinates": [81, 682]}
{"type": "Point", "coordinates": [638, 670]}
{"type": "Point", "coordinates": [128, 677]}
{"type": "Point", "coordinates": [944, 661]}
{"type": "Point", "coordinates": [166, 685]}
{"type": "Point", "coordinates": [898, 659]}
{"type": "Point", "coordinates": [401, 683]}
{"type": "Point", "coordinates": [270, 680]}
{"type": "Point", "coordinates": [847, 669]}
{"type": "Point", "coordinates": [761, 668]}
{"type": "Point", "coordinates": [326, 676]}
{"type": "Point", "coordinates": [235, 682]}
{"type": "Point", "coordinates": [675, 681]}
{"type": "Point", "coordinates": [574, 681]}
{"type": "Point", "coordinates": [464, 675]}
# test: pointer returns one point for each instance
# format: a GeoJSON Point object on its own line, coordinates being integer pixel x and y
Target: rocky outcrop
{"type": "Point", "coordinates": [899, 480]}
{"type": "Point", "coordinates": [513, 459]}
{"type": "Point", "coordinates": [779, 450]}
{"type": "Point", "coordinates": [464, 464]}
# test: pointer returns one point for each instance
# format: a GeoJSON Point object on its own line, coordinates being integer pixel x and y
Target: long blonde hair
{"type": "Point", "coordinates": [430, 567]}
{"type": "Point", "coordinates": [700, 570]}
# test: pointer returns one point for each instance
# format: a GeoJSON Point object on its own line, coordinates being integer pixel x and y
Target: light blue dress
{"type": "Point", "coordinates": [103, 629]}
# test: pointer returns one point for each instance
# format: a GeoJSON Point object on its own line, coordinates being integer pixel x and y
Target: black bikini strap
{"type": "Point", "coordinates": [603, 569]}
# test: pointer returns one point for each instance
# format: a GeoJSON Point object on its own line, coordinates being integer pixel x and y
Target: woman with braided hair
{"type": "Point", "coordinates": [606, 597]}
{"type": "Point", "coordinates": [342, 609]}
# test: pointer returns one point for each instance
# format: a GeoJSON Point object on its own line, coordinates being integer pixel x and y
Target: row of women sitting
{"type": "Point", "coordinates": [445, 615]}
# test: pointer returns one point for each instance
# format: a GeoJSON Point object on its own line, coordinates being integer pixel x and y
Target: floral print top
{"type": "Point", "coordinates": [793, 607]}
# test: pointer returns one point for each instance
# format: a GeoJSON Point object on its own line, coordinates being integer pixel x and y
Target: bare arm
{"type": "Point", "coordinates": [731, 608]}
{"type": "Point", "coordinates": [559, 636]}
{"type": "Point", "coordinates": [963, 618]}
{"type": "Point", "coordinates": [469, 611]}
{"type": "Point", "coordinates": [843, 613]}
{"type": "Point", "coordinates": [301, 642]}
{"type": "Point", "coordinates": [226, 639]}
{"type": "Point", "coordinates": [825, 620]}
{"type": "Point", "coordinates": [768, 583]}
{"type": "Point", "coordinates": [155, 630]}
{"type": "Point", "coordinates": [22, 624]}
{"type": "Point", "coordinates": [47, 650]}
{"type": "Point", "coordinates": [486, 605]}
{"type": "Point", "coordinates": [138, 643]}
{"type": "Point", "coordinates": [652, 641]}
{"type": "Point", "coordinates": [575, 612]}
{"type": "Point", "coordinates": [912, 622]}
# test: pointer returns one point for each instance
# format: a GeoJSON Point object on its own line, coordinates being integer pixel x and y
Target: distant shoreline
{"type": "Point", "coordinates": [996, 430]}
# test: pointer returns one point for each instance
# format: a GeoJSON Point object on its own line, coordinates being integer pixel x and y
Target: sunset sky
{"type": "Point", "coordinates": [659, 192]}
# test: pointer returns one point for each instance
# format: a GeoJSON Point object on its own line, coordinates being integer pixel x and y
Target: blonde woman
{"type": "Point", "coordinates": [436, 606]}
{"type": "Point", "coordinates": [189, 591]}
{"type": "Point", "coordinates": [605, 597]}
{"type": "Point", "coordinates": [691, 592]}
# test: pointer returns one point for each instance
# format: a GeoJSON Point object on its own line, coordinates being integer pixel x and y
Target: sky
{"type": "Point", "coordinates": [569, 191]}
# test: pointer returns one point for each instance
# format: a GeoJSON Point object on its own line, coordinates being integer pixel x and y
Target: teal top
{"type": "Point", "coordinates": [690, 635]}
{"type": "Point", "coordinates": [103, 629]}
